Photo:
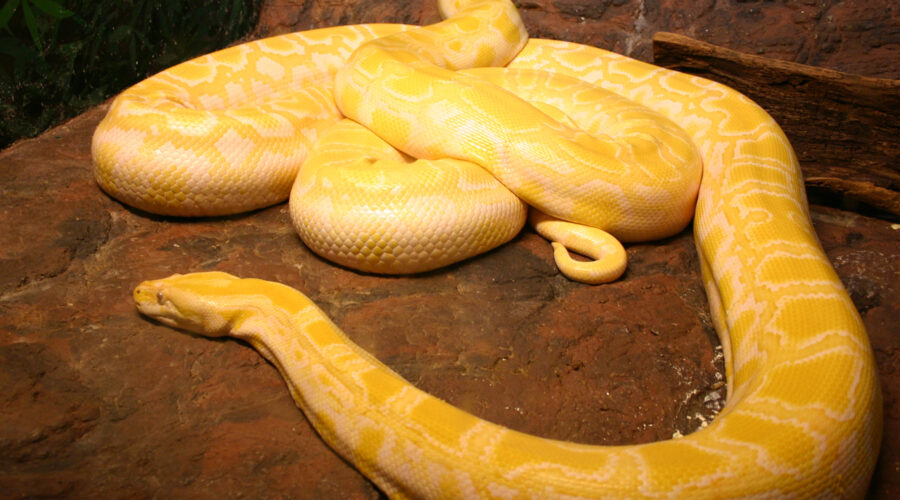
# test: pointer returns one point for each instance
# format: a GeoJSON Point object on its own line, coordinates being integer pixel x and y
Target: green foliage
{"type": "Point", "coordinates": [59, 57]}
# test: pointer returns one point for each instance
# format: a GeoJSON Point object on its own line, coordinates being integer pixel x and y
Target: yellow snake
{"type": "Point", "coordinates": [803, 416]}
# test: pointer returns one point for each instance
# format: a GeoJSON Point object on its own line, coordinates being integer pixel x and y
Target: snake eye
{"type": "Point", "coordinates": [159, 297]}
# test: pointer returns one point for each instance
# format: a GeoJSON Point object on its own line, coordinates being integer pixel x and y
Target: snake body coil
{"type": "Point", "coordinates": [803, 416]}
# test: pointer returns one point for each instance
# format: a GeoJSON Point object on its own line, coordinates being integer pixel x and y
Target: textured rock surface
{"type": "Point", "coordinates": [853, 36]}
{"type": "Point", "coordinates": [96, 401]}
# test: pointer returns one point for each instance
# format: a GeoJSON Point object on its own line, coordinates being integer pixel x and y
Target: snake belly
{"type": "Point", "coordinates": [803, 416]}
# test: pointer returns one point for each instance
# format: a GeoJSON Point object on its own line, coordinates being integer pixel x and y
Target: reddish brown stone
{"type": "Point", "coordinates": [99, 402]}
{"type": "Point", "coordinates": [852, 36]}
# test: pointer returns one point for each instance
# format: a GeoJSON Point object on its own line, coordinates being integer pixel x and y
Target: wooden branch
{"type": "Point", "coordinates": [845, 128]}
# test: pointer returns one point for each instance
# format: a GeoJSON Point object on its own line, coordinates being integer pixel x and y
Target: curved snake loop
{"type": "Point", "coordinates": [803, 416]}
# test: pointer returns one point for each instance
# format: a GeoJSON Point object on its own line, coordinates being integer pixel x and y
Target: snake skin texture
{"type": "Point", "coordinates": [353, 109]}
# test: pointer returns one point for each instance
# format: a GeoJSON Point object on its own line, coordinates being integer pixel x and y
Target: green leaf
{"type": "Point", "coordinates": [31, 24]}
{"type": "Point", "coordinates": [9, 8]}
{"type": "Point", "coordinates": [52, 9]}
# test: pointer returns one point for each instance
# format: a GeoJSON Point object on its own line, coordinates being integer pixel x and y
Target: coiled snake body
{"type": "Point", "coordinates": [803, 417]}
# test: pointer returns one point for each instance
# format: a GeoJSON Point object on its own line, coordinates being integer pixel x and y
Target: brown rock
{"type": "Point", "coordinates": [852, 36]}
{"type": "Point", "coordinates": [99, 402]}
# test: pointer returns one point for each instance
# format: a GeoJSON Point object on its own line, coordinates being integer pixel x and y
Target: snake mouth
{"type": "Point", "coordinates": [152, 302]}
{"type": "Point", "coordinates": [154, 299]}
{"type": "Point", "coordinates": [165, 302]}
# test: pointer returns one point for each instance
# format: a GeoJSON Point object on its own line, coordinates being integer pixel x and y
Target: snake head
{"type": "Point", "coordinates": [188, 302]}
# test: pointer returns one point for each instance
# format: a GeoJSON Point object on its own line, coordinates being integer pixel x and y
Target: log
{"type": "Point", "coordinates": [844, 127]}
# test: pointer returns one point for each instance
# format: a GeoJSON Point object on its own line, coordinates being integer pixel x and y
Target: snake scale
{"type": "Point", "coordinates": [358, 106]}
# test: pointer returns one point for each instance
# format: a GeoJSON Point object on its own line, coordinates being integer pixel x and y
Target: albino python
{"type": "Point", "coordinates": [229, 132]}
